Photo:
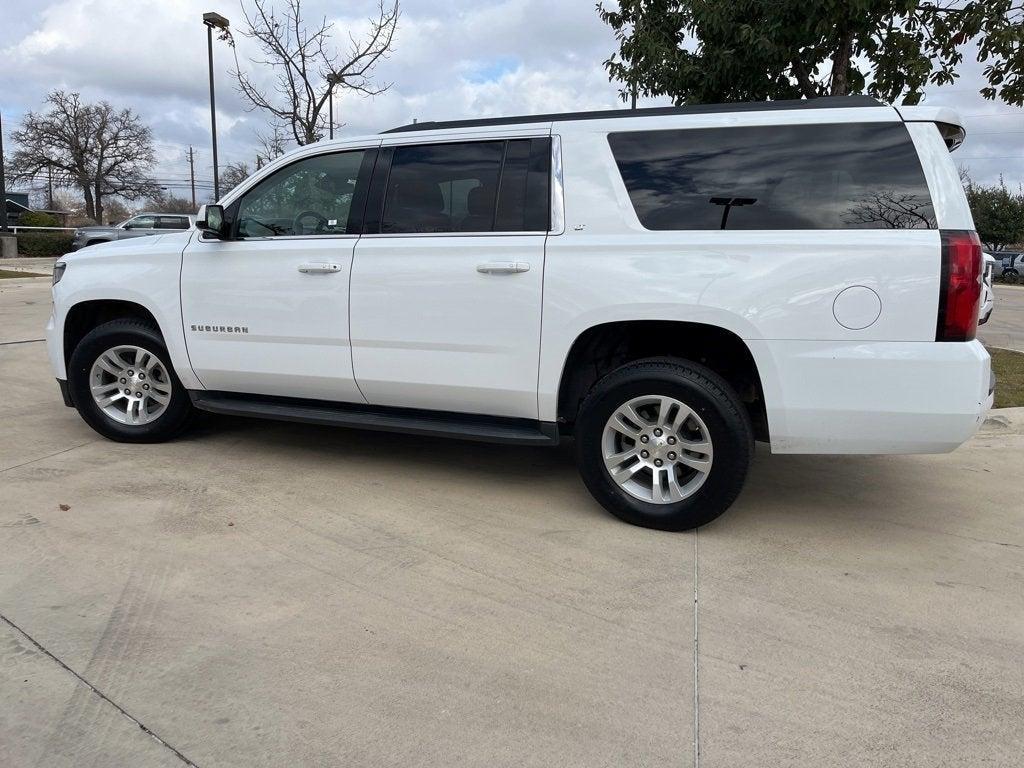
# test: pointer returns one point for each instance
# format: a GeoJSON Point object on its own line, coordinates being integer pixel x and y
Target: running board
{"type": "Point", "coordinates": [464, 426]}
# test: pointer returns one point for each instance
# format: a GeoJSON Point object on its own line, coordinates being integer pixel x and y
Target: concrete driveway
{"type": "Point", "coordinates": [1006, 326]}
{"type": "Point", "coordinates": [262, 594]}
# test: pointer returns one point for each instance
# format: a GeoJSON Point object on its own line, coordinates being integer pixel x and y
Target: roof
{"type": "Point", "coordinates": [822, 102]}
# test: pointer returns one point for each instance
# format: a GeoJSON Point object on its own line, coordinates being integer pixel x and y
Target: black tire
{"type": "Point", "coordinates": [710, 397]}
{"type": "Point", "coordinates": [179, 412]}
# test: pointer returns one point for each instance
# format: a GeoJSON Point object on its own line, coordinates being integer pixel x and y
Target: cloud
{"type": "Point", "coordinates": [452, 59]}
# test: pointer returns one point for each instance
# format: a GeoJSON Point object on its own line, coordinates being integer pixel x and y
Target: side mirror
{"type": "Point", "coordinates": [210, 221]}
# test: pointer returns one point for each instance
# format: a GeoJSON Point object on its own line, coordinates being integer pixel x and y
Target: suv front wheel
{"type": "Point", "coordinates": [123, 384]}
{"type": "Point", "coordinates": [664, 444]}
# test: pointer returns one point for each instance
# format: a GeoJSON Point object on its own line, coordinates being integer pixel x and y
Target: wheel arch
{"type": "Point", "coordinates": [83, 316]}
{"type": "Point", "coordinates": [601, 348]}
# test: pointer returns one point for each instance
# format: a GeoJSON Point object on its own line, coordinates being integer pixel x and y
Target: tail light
{"type": "Point", "coordinates": [960, 287]}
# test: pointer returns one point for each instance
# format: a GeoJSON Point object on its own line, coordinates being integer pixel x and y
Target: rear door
{"type": "Point", "coordinates": [447, 277]}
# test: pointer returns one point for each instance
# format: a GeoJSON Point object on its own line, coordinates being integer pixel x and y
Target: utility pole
{"type": "Point", "coordinates": [192, 174]}
{"type": "Point", "coordinates": [3, 187]}
{"type": "Point", "coordinates": [49, 187]}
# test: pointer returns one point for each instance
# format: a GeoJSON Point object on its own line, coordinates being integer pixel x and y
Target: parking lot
{"type": "Point", "coordinates": [1006, 328]}
{"type": "Point", "coordinates": [263, 594]}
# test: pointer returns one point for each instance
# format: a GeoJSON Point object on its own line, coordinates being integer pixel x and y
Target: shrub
{"type": "Point", "coordinates": [37, 219]}
{"type": "Point", "coordinates": [44, 243]}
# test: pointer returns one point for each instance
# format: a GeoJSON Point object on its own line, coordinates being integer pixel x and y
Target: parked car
{"type": "Point", "coordinates": [663, 285]}
{"type": "Point", "coordinates": [137, 226]}
{"type": "Point", "coordinates": [1011, 262]}
{"type": "Point", "coordinates": [988, 296]}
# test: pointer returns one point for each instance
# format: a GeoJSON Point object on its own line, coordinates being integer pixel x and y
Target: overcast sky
{"type": "Point", "coordinates": [452, 59]}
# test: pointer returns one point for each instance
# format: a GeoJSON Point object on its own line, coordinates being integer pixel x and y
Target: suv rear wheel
{"type": "Point", "coordinates": [664, 444]}
{"type": "Point", "coordinates": [124, 386]}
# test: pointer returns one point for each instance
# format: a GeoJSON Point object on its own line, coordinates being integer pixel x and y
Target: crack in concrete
{"type": "Point", "coordinates": [696, 689]}
{"type": "Point", "coordinates": [23, 341]}
{"type": "Point", "coordinates": [142, 726]}
{"type": "Point", "coordinates": [50, 456]}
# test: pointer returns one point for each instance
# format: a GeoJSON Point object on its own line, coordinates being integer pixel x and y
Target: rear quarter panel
{"type": "Point", "coordinates": [761, 285]}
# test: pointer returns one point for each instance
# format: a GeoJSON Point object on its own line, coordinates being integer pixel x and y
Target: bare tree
{"type": "Point", "coordinates": [308, 68]}
{"type": "Point", "coordinates": [893, 210]}
{"type": "Point", "coordinates": [115, 211]}
{"type": "Point", "coordinates": [233, 175]}
{"type": "Point", "coordinates": [271, 146]}
{"type": "Point", "coordinates": [162, 201]}
{"type": "Point", "coordinates": [92, 147]}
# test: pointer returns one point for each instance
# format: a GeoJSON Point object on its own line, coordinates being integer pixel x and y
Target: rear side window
{"type": "Point", "coordinates": [481, 186]}
{"type": "Point", "coordinates": [841, 176]}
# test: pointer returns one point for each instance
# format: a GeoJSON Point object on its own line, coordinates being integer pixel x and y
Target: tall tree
{"type": "Point", "coordinates": [93, 147]}
{"type": "Point", "coordinates": [998, 214]}
{"type": "Point", "coordinates": [700, 51]}
{"type": "Point", "coordinates": [308, 68]}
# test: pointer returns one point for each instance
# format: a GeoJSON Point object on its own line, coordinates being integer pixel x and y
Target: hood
{"type": "Point", "coordinates": [117, 246]}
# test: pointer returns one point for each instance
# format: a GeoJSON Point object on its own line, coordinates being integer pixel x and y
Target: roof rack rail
{"type": "Point", "coordinates": [822, 102]}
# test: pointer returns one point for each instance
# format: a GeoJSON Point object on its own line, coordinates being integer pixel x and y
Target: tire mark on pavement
{"type": "Point", "coordinates": [97, 692]}
{"type": "Point", "coordinates": [113, 664]}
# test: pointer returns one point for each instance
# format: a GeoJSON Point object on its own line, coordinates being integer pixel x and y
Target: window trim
{"type": "Point", "coordinates": [556, 186]}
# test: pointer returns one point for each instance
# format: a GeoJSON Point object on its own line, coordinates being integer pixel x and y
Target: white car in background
{"type": "Point", "coordinates": [988, 296]}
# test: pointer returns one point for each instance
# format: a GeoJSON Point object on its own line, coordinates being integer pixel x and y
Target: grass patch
{"type": "Point", "coordinates": [1009, 368]}
{"type": "Point", "coordinates": [14, 273]}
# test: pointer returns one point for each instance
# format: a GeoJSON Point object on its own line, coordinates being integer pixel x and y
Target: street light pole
{"type": "Point", "coordinates": [212, 20]}
{"type": "Point", "coordinates": [332, 81]}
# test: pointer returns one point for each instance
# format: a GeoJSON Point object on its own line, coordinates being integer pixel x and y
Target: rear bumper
{"type": "Point", "coordinates": [874, 397]}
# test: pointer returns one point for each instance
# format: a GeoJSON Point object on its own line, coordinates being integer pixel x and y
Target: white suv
{"type": "Point", "coordinates": [663, 285]}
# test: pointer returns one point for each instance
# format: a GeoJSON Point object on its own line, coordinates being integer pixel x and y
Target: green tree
{"type": "Point", "coordinates": [998, 214]}
{"type": "Point", "coordinates": [701, 51]}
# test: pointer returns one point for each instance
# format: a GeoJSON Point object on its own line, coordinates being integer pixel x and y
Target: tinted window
{"type": "Point", "coordinates": [171, 222]}
{"type": "Point", "coordinates": [443, 188]}
{"type": "Point", "coordinates": [523, 196]}
{"type": "Point", "coordinates": [848, 176]}
{"type": "Point", "coordinates": [309, 197]}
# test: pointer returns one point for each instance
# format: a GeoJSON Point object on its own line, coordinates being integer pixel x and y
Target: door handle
{"type": "Point", "coordinates": [503, 267]}
{"type": "Point", "coordinates": [318, 268]}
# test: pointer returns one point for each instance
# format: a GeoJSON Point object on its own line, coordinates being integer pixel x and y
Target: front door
{"type": "Point", "coordinates": [266, 312]}
{"type": "Point", "coordinates": [447, 278]}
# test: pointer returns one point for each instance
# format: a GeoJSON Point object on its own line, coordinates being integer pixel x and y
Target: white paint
{"type": "Point", "coordinates": [856, 307]}
{"type": "Point", "coordinates": [839, 322]}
